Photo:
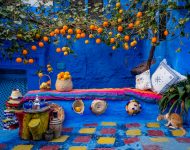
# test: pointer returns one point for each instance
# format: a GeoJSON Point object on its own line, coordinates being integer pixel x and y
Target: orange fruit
{"type": "Point", "coordinates": [127, 38]}
{"type": "Point", "coordinates": [62, 31]}
{"type": "Point", "coordinates": [18, 60]}
{"type": "Point", "coordinates": [100, 30]}
{"type": "Point", "coordinates": [48, 82]}
{"type": "Point", "coordinates": [64, 49]}
{"type": "Point", "coordinates": [112, 40]}
{"type": "Point", "coordinates": [40, 74]}
{"type": "Point", "coordinates": [33, 47]}
{"type": "Point", "coordinates": [154, 39]}
{"type": "Point", "coordinates": [110, 33]}
{"type": "Point", "coordinates": [126, 46]}
{"type": "Point", "coordinates": [86, 41]}
{"type": "Point", "coordinates": [137, 23]}
{"type": "Point", "coordinates": [58, 50]}
{"type": "Point", "coordinates": [120, 28]}
{"type": "Point", "coordinates": [78, 31]}
{"type": "Point", "coordinates": [121, 11]}
{"type": "Point", "coordinates": [78, 109]}
{"type": "Point", "coordinates": [130, 26]}
{"type": "Point", "coordinates": [37, 36]}
{"type": "Point", "coordinates": [91, 36]}
{"type": "Point", "coordinates": [98, 41]}
{"type": "Point", "coordinates": [41, 44]}
{"type": "Point", "coordinates": [92, 27]}
{"type": "Point", "coordinates": [24, 52]}
{"type": "Point", "coordinates": [166, 32]}
{"type": "Point", "coordinates": [139, 14]}
{"type": "Point", "coordinates": [52, 33]}
{"type": "Point", "coordinates": [45, 38]}
{"type": "Point", "coordinates": [31, 61]}
{"type": "Point", "coordinates": [96, 28]}
{"type": "Point", "coordinates": [113, 47]}
{"type": "Point", "coordinates": [70, 31]}
{"type": "Point", "coordinates": [119, 20]}
{"type": "Point", "coordinates": [83, 35]}
{"type": "Point", "coordinates": [118, 5]}
{"type": "Point", "coordinates": [66, 53]}
{"type": "Point", "coordinates": [133, 43]}
{"type": "Point", "coordinates": [68, 37]}
{"type": "Point", "coordinates": [78, 36]}
{"type": "Point", "coordinates": [65, 27]}
{"type": "Point", "coordinates": [56, 31]}
{"type": "Point", "coordinates": [49, 69]}
{"type": "Point", "coordinates": [105, 24]}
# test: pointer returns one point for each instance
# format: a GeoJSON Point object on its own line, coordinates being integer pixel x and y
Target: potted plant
{"type": "Point", "coordinates": [176, 98]}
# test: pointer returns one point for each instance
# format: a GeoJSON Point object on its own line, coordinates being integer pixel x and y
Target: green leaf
{"type": "Point", "coordinates": [187, 104]}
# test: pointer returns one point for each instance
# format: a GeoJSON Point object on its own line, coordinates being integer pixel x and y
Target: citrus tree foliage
{"type": "Point", "coordinates": [115, 24]}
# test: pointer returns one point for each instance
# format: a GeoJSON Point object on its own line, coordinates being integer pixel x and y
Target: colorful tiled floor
{"type": "Point", "coordinates": [105, 136]}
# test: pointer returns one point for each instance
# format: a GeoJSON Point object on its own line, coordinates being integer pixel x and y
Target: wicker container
{"type": "Point", "coordinates": [64, 85]}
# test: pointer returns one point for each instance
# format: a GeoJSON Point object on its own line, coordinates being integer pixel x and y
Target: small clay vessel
{"type": "Point", "coordinates": [55, 125]}
{"type": "Point", "coordinates": [48, 135]}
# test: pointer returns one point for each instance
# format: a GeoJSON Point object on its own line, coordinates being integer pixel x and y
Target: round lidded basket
{"type": "Point", "coordinates": [45, 86]}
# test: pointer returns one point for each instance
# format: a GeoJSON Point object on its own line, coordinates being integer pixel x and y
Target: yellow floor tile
{"type": "Point", "coordinates": [108, 124]}
{"type": "Point", "coordinates": [133, 132]}
{"type": "Point", "coordinates": [177, 132]}
{"type": "Point", "coordinates": [77, 148]}
{"type": "Point", "coordinates": [161, 139]}
{"type": "Point", "coordinates": [60, 139]}
{"type": "Point", "coordinates": [23, 147]}
{"type": "Point", "coordinates": [87, 130]}
{"type": "Point", "coordinates": [106, 140]}
{"type": "Point", "coordinates": [153, 125]}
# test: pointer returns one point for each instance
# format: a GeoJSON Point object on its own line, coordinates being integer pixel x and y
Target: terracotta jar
{"type": "Point", "coordinates": [55, 125]}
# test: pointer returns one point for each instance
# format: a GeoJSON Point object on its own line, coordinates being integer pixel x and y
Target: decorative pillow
{"type": "Point", "coordinates": [143, 81]}
{"type": "Point", "coordinates": [163, 78]}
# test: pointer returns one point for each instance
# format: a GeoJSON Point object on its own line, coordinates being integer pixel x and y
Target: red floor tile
{"type": "Point", "coordinates": [183, 140]}
{"type": "Point", "coordinates": [155, 133]}
{"type": "Point", "coordinates": [132, 125]}
{"type": "Point", "coordinates": [91, 125]}
{"type": "Point", "coordinates": [67, 129]}
{"type": "Point", "coordinates": [104, 149]}
{"type": "Point", "coordinates": [108, 131]}
{"type": "Point", "coordinates": [82, 139]}
{"type": "Point", "coordinates": [50, 147]}
{"type": "Point", "coordinates": [131, 140]}
{"type": "Point", "coordinates": [152, 147]}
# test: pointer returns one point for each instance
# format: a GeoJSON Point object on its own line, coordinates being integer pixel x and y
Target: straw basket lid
{"type": "Point", "coordinates": [59, 110]}
{"type": "Point", "coordinates": [78, 106]}
{"type": "Point", "coordinates": [98, 106]}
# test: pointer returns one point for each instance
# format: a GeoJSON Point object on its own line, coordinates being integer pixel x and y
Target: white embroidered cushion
{"type": "Point", "coordinates": [143, 81]}
{"type": "Point", "coordinates": [163, 78]}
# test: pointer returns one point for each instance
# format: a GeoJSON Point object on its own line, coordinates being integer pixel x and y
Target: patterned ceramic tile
{"type": "Point", "coordinates": [82, 139]}
{"type": "Point", "coordinates": [50, 147]}
{"type": "Point", "coordinates": [131, 140]}
{"type": "Point", "coordinates": [23, 147]}
{"type": "Point", "coordinates": [108, 124]}
{"type": "Point", "coordinates": [183, 140]}
{"type": "Point", "coordinates": [151, 147]}
{"type": "Point", "coordinates": [132, 125]}
{"type": "Point", "coordinates": [106, 140]}
{"type": "Point", "coordinates": [87, 130]}
{"type": "Point", "coordinates": [177, 132]}
{"type": "Point", "coordinates": [91, 125]}
{"type": "Point", "coordinates": [133, 132]}
{"type": "Point", "coordinates": [61, 139]}
{"type": "Point", "coordinates": [67, 129]}
{"type": "Point", "coordinates": [153, 125]}
{"type": "Point", "coordinates": [108, 131]}
{"type": "Point", "coordinates": [159, 139]}
{"type": "Point", "coordinates": [155, 133]}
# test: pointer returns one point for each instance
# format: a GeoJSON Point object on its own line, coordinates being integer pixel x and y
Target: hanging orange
{"type": "Point", "coordinates": [92, 27]}
{"type": "Point", "coordinates": [112, 40]}
{"type": "Point", "coordinates": [78, 36]}
{"type": "Point", "coordinates": [91, 36]}
{"type": "Point", "coordinates": [52, 33]}
{"type": "Point", "coordinates": [31, 61]}
{"type": "Point", "coordinates": [18, 60]}
{"type": "Point", "coordinates": [105, 24]}
{"type": "Point", "coordinates": [118, 5]}
{"type": "Point", "coordinates": [130, 26]}
{"type": "Point", "coordinates": [62, 31]}
{"type": "Point", "coordinates": [58, 50]}
{"type": "Point", "coordinates": [100, 30]}
{"type": "Point", "coordinates": [154, 39]}
{"type": "Point", "coordinates": [78, 31]}
{"type": "Point", "coordinates": [120, 28]}
{"type": "Point", "coordinates": [41, 44]}
{"type": "Point", "coordinates": [37, 36]}
{"type": "Point", "coordinates": [166, 33]}
{"type": "Point", "coordinates": [127, 38]}
{"type": "Point", "coordinates": [45, 38]}
{"type": "Point", "coordinates": [65, 27]}
{"type": "Point", "coordinates": [70, 31]}
{"type": "Point", "coordinates": [33, 47]}
{"type": "Point", "coordinates": [83, 35]}
{"type": "Point", "coordinates": [139, 14]}
{"type": "Point", "coordinates": [98, 41]}
{"type": "Point", "coordinates": [56, 31]}
{"type": "Point", "coordinates": [24, 52]}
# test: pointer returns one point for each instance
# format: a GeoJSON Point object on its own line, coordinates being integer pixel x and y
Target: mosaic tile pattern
{"type": "Point", "coordinates": [112, 136]}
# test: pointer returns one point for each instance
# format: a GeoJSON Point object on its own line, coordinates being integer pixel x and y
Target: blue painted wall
{"type": "Point", "coordinates": [98, 66]}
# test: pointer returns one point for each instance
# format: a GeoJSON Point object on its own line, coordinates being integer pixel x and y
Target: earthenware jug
{"type": "Point", "coordinates": [55, 125]}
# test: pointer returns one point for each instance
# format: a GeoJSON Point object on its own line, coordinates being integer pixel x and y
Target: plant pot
{"type": "Point", "coordinates": [64, 85]}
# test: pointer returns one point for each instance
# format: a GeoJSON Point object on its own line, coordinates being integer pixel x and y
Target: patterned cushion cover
{"type": "Point", "coordinates": [143, 81]}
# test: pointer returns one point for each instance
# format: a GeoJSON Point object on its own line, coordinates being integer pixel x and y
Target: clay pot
{"type": "Point", "coordinates": [64, 85]}
{"type": "Point", "coordinates": [48, 135]}
{"type": "Point", "coordinates": [55, 125]}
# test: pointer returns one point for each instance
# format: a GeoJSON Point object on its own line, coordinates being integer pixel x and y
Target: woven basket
{"type": "Point", "coordinates": [64, 85]}
{"type": "Point", "coordinates": [45, 89]}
